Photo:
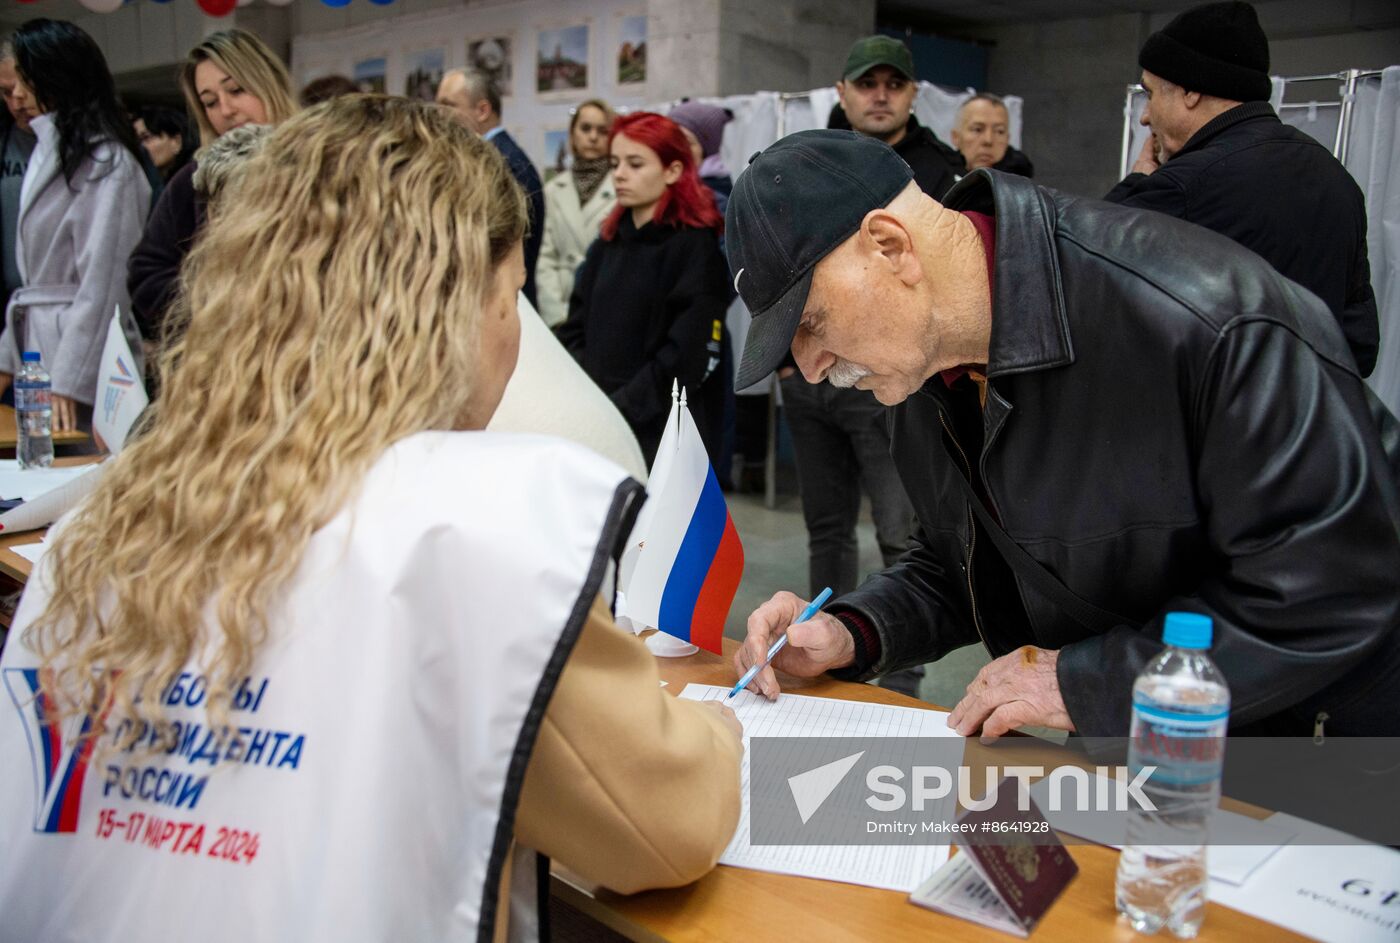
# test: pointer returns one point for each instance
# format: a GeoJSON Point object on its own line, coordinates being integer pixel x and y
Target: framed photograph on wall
{"type": "Point", "coordinates": [556, 153]}
{"type": "Point", "coordinates": [423, 69]}
{"type": "Point", "coordinates": [632, 50]}
{"type": "Point", "coordinates": [492, 55]}
{"type": "Point", "coordinates": [370, 74]}
{"type": "Point", "coordinates": [561, 60]}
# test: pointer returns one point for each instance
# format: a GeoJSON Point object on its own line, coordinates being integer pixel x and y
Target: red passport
{"type": "Point", "coordinates": [1010, 869]}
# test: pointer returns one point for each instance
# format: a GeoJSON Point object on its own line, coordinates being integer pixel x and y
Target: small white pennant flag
{"type": "Point", "coordinates": [120, 393]}
{"type": "Point", "coordinates": [687, 563]}
{"type": "Point", "coordinates": [656, 480]}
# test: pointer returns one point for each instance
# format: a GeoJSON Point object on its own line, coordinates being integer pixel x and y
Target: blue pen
{"type": "Point", "coordinates": [777, 646]}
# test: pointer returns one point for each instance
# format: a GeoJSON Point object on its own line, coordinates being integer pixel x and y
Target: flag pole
{"type": "Point", "coordinates": [660, 643]}
{"type": "Point", "coordinates": [674, 383]}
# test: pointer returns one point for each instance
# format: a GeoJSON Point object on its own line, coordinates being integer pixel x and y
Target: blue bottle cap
{"type": "Point", "coordinates": [31, 356]}
{"type": "Point", "coordinates": [1187, 630]}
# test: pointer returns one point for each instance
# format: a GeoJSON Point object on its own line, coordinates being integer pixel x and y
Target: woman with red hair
{"type": "Point", "coordinates": [649, 300]}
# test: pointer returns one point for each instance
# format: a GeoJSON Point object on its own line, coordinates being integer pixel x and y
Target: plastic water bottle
{"type": "Point", "coordinates": [34, 413]}
{"type": "Point", "coordinates": [1181, 708]}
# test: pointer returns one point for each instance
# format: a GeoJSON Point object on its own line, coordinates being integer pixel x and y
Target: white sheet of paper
{"type": "Point", "coordinates": [1333, 893]}
{"type": "Point", "coordinates": [29, 483]}
{"type": "Point", "coordinates": [959, 890]}
{"type": "Point", "coordinates": [31, 552]}
{"type": "Point", "coordinates": [42, 510]}
{"type": "Point", "coordinates": [893, 867]}
{"type": "Point", "coordinates": [1232, 863]}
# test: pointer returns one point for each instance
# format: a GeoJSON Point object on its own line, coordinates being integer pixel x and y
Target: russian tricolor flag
{"type": "Point", "coordinates": [685, 556]}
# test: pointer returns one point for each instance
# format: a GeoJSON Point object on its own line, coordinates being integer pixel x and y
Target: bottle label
{"type": "Point", "coordinates": [32, 397]}
{"type": "Point", "coordinates": [1186, 748]}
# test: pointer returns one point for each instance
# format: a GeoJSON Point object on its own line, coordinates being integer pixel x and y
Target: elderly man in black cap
{"type": "Point", "coordinates": [842, 445]}
{"type": "Point", "coordinates": [1101, 415]}
{"type": "Point", "coordinates": [1220, 157]}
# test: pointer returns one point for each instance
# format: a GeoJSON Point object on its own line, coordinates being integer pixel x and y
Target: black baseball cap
{"type": "Point", "coordinates": [796, 201]}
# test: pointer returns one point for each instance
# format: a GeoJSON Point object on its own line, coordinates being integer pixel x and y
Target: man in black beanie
{"type": "Point", "coordinates": [1220, 157]}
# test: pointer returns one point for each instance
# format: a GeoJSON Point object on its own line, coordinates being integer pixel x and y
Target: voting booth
{"type": "Point", "coordinates": [1353, 113]}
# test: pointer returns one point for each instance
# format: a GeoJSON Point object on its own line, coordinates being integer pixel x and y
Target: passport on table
{"type": "Point", "coordinates": [1007, 886]}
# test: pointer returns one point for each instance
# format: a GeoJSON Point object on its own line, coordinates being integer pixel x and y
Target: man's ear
{"type": "Point", "coordinates": [1191, 99]}
{"type": "Point", "coordinates": [883, 235]}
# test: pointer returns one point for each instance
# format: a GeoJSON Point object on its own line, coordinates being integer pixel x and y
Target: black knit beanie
{"type": "Point", "coordinates": [1218, 49]}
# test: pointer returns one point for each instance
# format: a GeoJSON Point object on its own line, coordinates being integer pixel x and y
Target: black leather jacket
{"type": "Point", "coordinates": [1169, 424]}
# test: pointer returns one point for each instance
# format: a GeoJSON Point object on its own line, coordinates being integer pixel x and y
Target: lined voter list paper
{"type": "Point", "coordinates": [891, 867]}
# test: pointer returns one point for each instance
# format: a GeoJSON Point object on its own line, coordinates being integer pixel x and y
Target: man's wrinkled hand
{"type": "Point", "coordinates": [1015, 690]}
{"type": "Point", "coordinates": [814, 646]}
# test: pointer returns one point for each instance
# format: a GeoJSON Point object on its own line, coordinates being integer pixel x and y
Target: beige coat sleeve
{"type": "Point", "coordinates": [628, 786]}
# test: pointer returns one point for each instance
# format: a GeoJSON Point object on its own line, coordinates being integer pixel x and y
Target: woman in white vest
{"type": "Point", "coordinates": [575, 203]}
{"type": "Point", "coordinates": [309, 662]}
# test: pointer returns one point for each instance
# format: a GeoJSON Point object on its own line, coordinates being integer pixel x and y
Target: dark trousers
{"type": "Point", "coordinates": [843, 447]}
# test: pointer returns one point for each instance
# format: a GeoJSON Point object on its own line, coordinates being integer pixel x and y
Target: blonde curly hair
{"type": "Point", "coordinates": [335, 313]}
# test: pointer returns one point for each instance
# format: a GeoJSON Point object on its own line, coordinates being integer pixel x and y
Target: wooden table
{"type": "Point", "coordinates": [12, 565]}
{"type": "Point", "coordinates": [9, 435]}
{"type": "Point", "coordinates": [739, 904]}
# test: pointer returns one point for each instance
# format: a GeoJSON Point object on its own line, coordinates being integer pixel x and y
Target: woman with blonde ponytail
{"type": "Point", "coordinates": [318, 651]}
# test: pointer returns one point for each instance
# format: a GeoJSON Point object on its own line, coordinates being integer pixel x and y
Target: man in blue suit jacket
{"type": "Point", "coordinates": [476, 102]}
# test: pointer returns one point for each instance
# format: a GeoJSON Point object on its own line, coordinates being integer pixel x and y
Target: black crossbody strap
{"type": "Point", "coordinates": [1025, 566]}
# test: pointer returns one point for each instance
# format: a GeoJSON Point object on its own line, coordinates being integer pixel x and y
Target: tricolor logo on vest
{"type": "Point", "coordinates": [59, 757]}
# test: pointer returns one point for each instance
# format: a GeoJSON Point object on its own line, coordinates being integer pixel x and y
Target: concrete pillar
{"type": "Point", "coordinates": [727, 47]}
{"type": "Point", "coordinates": [1071, 75]}
{"type": "Point", "coordinates": [683, 48]}
{"type": "Point", "coordinates": [788, 45]}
